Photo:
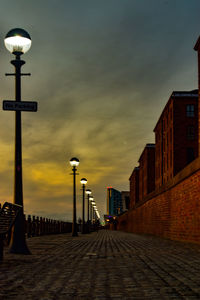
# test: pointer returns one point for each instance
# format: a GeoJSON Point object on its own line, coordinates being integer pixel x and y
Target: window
{"type": "Point", "coordinates": [190, 133]}
{"type": "Point", "coordinates": [127, 202]}
{"type": "Point", "coordinates": [190, 155]}
{"type": "Point", "coordinates": [190, 110]}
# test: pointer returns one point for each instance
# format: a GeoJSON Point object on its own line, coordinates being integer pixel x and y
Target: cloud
{"type": "Point", "coordinates": [102, 72]}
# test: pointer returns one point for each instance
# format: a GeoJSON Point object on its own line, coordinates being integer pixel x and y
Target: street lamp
{"type": "Point", "coordinates": [88, 192]}
{"type": "Point", "coordinates": [83, 182]}
{"type": "Point", "coordinates": [74, 162]}
{"type": "Point", "coordinates": [93, 205]}
{"type": "Point", "coordinates": [18, 42]}
{"type": "Point", "coordinates": [91, 199]}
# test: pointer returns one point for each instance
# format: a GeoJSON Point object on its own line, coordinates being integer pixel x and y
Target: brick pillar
{"type": "Point", "coordinates": [197, 48]}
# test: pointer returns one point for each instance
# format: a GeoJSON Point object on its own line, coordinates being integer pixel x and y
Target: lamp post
{"type": "Point", "coordinates": [95, 217]}
{"type": "Point", "coordinates": [93, 205]}
{"type": "Point", "coordinates": [74, 162]}
{"type": "Point", "coordinates": [88, 192]}
{"type": "Point", "coordinates": [18, 42]}
{"type": "Point", "coordinates": [83, 182]}
{"type": "Point", "coordinates": [91, 199]}
{"type": "Point", "coordinates": [94, 211]}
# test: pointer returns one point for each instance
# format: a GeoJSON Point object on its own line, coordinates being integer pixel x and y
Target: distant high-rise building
{"type": "Point", "coordinates": [114, 202]}
{"type": "Point", "coordinates": [176, 135]}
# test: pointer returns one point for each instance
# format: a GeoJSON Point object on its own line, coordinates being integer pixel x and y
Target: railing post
{"type": "Point", "coordinates": [37, 226]}
{"type": "Point", "coordinates": [33, 226]}
{"type": "Point", "coordinates": [29, 227]}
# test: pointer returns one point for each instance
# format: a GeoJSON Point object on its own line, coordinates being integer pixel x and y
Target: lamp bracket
{"type": "Point", "coordinates": [22, 74]}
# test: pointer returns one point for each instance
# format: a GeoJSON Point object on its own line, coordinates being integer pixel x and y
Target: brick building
{"type": "Point", "coordinates": [147, 171]}
{"type": "Point", "coordinates": [173, 211]}
{"type": "Point", "coordinates": [197, 48]}
{"type": "Point", "coordinates": [125, 200]}
{"type": "Point", "coordinates": [134, 187]}
{"type": "Point", "coordinates": [176, 135]}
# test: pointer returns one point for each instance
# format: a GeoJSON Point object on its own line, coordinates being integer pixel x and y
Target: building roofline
{"type": "Point", "coordinates": [178, 94]}
{"type": "Point", "coordinates": [197, 45]}
{"type": "Point", "coordinates": [111, 188]}
{"type": "Point", "coordinates": [135, 169]}
{"type": "Point", "coordinates": [146, 147]}
{"type": "Point", "coordinates": [152, 145]}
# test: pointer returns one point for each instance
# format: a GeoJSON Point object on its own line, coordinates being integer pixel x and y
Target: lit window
{"type": "Point", "coordinates": [190, 110]}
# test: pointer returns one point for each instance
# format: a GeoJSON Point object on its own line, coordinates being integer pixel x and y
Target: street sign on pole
{"type": "Point", "coordinates": [19, 105]}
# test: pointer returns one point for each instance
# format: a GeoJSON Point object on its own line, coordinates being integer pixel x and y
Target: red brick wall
{"type": "Point", "coordinates": [172, 212]}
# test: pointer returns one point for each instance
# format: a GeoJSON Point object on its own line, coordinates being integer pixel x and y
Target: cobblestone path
{"type": "Point", "coordinates": [103, 265]}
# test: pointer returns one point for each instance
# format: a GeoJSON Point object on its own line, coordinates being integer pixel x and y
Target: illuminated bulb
{"type": "Point", "coordinates": [17, 40]}
{"type": "Point", "coordinates": [83, 181]}
{"type": "Point", "coordinates": [74, 162]}
{"type": "Point", "coordinates": [88, 192]}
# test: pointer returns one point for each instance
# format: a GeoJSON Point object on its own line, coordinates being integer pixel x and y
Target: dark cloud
{"type": "Point", "coordinates": [102, 72]}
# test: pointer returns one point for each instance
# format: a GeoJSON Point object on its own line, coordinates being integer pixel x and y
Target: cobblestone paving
{"type": "Point", "coordinates": [103, 265]}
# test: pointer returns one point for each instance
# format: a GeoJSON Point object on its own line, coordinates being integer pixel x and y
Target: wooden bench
{"type": "Point", "coordinates": [8, 216]}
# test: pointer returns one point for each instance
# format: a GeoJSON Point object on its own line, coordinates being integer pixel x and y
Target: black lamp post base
{"type": "Point", "coordinates": [18, 245]}
{"type": "Point", "coordinates": [18, 249]}
{"type": "Point", "coordinates": [18, 239]}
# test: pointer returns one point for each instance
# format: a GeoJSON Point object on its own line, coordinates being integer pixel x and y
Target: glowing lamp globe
{"type": "Point", "coordinates": [17, 41]}
{"type": "Point", "coordinates": [74, 162]}
{"type": "Point", "coordinates": [88, 192]}
{"type": "Point", "coordinates": [83, 181]}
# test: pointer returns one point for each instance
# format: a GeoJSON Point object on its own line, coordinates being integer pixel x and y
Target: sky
{"type": "Point", "coordinates": [101, 72]}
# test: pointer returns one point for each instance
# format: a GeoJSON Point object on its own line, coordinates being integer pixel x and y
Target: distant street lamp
{"type": "Point", "coordinates": [88, 192]}
{"type": "Point", "coordinates": [93, 205]}
{"type": "Point", "coordinates": [91, 199]}
{"type": "Point", "coordinates": [83, 182]}
{"type": "Point", "coordinates": [18, 42]}
{"type": "Point", "coordinates": [74, 162]}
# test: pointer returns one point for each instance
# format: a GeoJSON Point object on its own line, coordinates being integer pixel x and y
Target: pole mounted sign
{"type": "Point", "coordinates": [18, 42]}
{"type": "Point", "coordinates": [19, 105]}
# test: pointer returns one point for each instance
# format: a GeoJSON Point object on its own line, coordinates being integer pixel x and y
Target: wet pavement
{"type": "Point", "coordinates": [103, 265]}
